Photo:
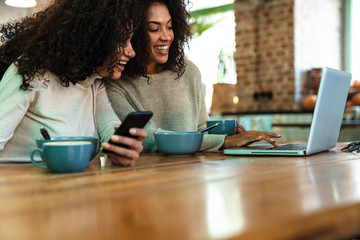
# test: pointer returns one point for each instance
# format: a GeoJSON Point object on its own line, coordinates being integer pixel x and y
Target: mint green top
{"type": "Point", "coordinates": [78, 110]}
{"type": "Point", "coordinates": [177, 104]}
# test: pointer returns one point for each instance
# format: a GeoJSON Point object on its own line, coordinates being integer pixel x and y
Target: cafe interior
{"type": "Point", "coordinates": [261, 62]}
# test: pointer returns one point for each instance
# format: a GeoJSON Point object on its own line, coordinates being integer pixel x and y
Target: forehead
{"type": "Point", "coordinates": [158, 12]}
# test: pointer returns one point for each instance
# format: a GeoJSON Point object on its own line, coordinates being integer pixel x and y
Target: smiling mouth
{"type": "Point", "coordinates": [121, 62]}
{"type": "Point", "coordinates": [162, 48]}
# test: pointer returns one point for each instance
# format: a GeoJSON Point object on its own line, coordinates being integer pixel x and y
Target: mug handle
{"type": "Point", "coordinates": [33, 160]}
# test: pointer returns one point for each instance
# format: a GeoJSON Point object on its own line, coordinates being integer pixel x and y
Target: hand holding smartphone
{"type": "Point", "coordinates": [133, 120]}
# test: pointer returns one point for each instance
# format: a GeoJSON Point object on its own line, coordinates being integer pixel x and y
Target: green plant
{"type": "Point", "coordinates": [203, 19]}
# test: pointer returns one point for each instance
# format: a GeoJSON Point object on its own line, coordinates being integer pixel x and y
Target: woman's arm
{"type": "Point", "coordinates": [105, 117]}
{"type": "Point", "coordinates": [123, 104]}
{"type": "Point", "coordinates": [15, 103]}
{"type": "Point", "coordinates": [211, 142]}
{"type": "Point", "coordinates": [106, 120]}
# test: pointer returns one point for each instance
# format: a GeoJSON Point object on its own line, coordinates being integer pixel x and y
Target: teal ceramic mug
{"type": "Point", "coordinates": [65, 156]}
{"type": "Point", "coordinates": [227, 126]}
{"type": "Point", "coordinates": [94, 141]}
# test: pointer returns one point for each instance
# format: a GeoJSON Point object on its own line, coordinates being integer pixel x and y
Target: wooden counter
{"type": "Point", "coordinates": [345, 123]}
{"type": "Point", "coordinates": [206, 196]}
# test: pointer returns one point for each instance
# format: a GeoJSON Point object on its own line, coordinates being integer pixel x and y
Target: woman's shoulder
{"type": "Point", "coordinates": [192, 71]}
{"type": "Point", "coordinates": [190, 65]}
{"type": "Point", "coordinates": [119, 86]}
{"type": "Point", "coordinates": [11, 72]}
{"type": "Point", "coordinates": [12, 79]}
{"type": "Point", "coordinates": [120, 83]}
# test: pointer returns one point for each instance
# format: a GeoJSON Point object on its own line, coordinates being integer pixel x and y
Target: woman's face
{"type": "Point", "coordinates": [161, 36]}
{"type": "Point", "coordinates": [124, 55]}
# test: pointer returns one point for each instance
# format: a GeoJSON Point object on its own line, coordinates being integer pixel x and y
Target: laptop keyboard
{"type": "Point", "coordinates": [289, 147]}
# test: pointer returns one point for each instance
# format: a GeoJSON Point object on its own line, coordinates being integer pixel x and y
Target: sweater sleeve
{"type": "Point", "coordinates": [106, 118]}
{"type": "Point", "coordinates": [14, 103]}
{"type": "Point", "coordinates": [123, 103]}
{"type": "Point", "coordinates": [211, 142]}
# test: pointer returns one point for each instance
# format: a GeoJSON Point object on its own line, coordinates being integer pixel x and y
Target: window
{"type": "Point", "coordinates": [213, 45]}
{"type": "Point", "coordinates": [352, 52]}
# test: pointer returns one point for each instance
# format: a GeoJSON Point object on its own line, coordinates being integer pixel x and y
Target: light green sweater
{"type": "Point", "coordinates": [177, 104]}
{"type": "Point", "coordinates": [78, 110]}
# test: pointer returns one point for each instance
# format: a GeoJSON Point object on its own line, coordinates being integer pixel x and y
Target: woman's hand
{"type": "Point", "coordinates": [126, 156]}
{"type": "Point", "coordinates": [249, 137]}
{"type": "Point", "coordinates": [240, 128]}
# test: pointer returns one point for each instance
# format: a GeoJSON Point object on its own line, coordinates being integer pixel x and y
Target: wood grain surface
{"type": "Point", "coordinates": [205, 196]}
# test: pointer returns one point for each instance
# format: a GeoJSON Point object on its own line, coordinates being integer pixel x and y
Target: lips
{"type": "Point", "coordinates": [164, 49]}
{"type": "Point", "coordinates": [121, 65]}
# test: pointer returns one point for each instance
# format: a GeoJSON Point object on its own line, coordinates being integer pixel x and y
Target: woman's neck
{"type": "Point", "coordinates": [154, 68]}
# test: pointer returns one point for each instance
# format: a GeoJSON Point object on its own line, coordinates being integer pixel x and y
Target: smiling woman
{"type": "Point", "coordinates": [52, 66]}
{"type": "Point", "coordinates": [161, 80]}
{"type": "Point", "coordinates": [161, 36]}
{"type": "Point", "coordinates": [124, 54]}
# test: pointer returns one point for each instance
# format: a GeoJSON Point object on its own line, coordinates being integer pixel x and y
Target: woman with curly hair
{"type": "Point", "coordinates": [160, 79]}
{"type": "Point", "coordinates": [52, 66]}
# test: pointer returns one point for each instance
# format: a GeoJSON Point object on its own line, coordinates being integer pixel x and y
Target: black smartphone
{"type": "Point", "coordinates": [132, 120]}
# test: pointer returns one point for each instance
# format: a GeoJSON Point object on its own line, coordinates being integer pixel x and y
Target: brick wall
{"type": "Point", "coordinates": [268, 78]}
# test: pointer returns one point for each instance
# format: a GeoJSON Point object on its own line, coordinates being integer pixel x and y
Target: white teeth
{"type": "Point", "coordinates": [121, 62]}
{"type": "Point", "coordinates": [162, 47]}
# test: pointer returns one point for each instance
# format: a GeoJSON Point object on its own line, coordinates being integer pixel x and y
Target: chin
{"type": "Point", "coordinates": [162, 61]}
{"type": "Point", "coordinates": [116, 75]}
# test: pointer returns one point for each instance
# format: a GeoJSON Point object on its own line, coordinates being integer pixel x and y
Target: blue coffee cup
{"type": "Point", "coordinates": [94, 141]}
{"type": "Point", "coordinates": [65, 156]}
{"type": "Point", "coordinates": [227, 126]}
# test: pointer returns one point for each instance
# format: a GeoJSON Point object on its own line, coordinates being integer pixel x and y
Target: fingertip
{"type": "Point", "coordinates": [115, 137]}
{"type": "Point", "coordinates": [133, 131]}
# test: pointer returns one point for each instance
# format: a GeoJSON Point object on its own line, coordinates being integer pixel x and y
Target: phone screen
{"type": "Point", "coordinates": [133, 120]}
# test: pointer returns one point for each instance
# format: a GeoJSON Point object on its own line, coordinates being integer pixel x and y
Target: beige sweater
{"type": "Point", "coordinates": [177, 104]}
{"type": "Point", "coordinates": [78, 110]}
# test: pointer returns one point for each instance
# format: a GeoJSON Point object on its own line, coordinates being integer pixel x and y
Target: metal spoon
{"type": "Point", "coordinates": [210, 127]}
{"type": "Point", "coordinates": [45, 133]}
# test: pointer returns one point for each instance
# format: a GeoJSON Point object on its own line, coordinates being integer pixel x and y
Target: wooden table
{"type": "Point", "coordinates": [206, 196]}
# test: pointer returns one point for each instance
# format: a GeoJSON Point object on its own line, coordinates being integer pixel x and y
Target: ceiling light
{"type": "Point", "coordinates": [21, 3]}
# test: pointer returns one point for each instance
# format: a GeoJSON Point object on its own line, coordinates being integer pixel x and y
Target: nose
{"type": "Point", "coordinates": [166, 35]}
{"type": "Point", "coordinates": [129, 51]}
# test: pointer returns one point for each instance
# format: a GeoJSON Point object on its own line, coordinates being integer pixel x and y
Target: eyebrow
{"type": "Point", "coordinates": [155, 22]}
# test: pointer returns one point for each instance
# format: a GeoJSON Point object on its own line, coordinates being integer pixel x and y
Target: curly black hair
{"type": "Point", "coordinates": [70, 38]}
{"type": "Point", "coordinates": [177, 8]}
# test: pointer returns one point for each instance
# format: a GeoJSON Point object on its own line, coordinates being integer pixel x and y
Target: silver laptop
{"type": "Point", "coordinates": [325, 124]}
